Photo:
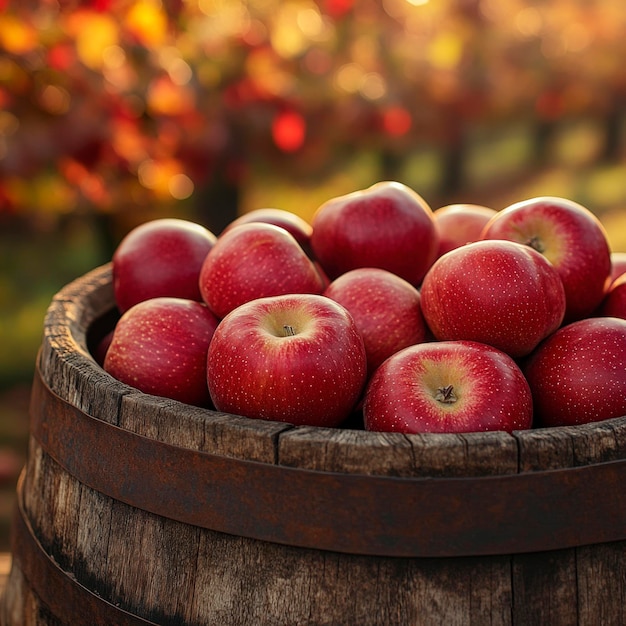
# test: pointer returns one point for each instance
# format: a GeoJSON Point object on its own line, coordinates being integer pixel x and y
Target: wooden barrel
{"type": "Point", "coordinates": [134, 509]}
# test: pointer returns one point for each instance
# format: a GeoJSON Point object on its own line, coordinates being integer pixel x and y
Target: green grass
{"type": "Point", "coordinates": [33, 267]}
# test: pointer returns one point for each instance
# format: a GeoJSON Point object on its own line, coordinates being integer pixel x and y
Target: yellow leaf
{"type": "Point", "coordinates": [148, 22]}
{"type": "Point", "coordinates": [445, 51]}
{"type": "Point", "coordinates": [94, 33]}
{"type": "Point", "coordinates": [16, 36]}
{"type": "Point", "coordinates": [166, 98]}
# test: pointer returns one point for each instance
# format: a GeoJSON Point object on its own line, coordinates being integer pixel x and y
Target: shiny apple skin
{"type": "Point", "coordinates": [159, 258]}
{"type": "Point", "coordinates": [385, 308]}
{"type": "Point", "coordinates": [618, 265]}
{"type": "Point", "coordinates": [387, 225]}
{"type": "Point", "coordinates": [255, 260]}
{"type": "Point", "coordinates": [614, 303]}
{"type": "Point", "coordinates": [571, 237]}
{"type": "Point", "coordinates": [487, 386]}
{"type": "Point", "coordinates": [159, 346]}
{"type": "Point", "coordinates": [291, 222]}
{"type": "Point", "coordinates": [578, 374]}
{"type": "Point", "coordinates": [496, 292]}
{"type": "Point", "coordinates": [458, 224]}
{"type": "Point", "coordinates": [312, 374]}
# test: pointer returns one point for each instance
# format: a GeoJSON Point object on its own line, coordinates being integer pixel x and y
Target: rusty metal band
{"type": "Point", "coordinates": [60, 592]}
{"type": "Point", "coordinates": [357, 514]}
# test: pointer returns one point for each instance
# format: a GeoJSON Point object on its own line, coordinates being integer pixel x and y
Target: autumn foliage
{"type": "Point", "coordinates": [112, 104]}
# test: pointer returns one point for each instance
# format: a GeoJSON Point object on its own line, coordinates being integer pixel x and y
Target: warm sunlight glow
{"type": "Point", "coordinates": [113, 57]}
{"type": "Point", "coordinates": [349, 77]}
{"type": "Point", "coordinates": [95, 34]}
{"type": "Point", "coordinates": [289, 131]}
{"type": "Point", "coordinates": [445, 51]}
{"type": "Point", "coordinates": [165, 97]}
{"type": "Point", "coordinates": [55, 100]}
{"type": "Point", "coordinates": [180, 186]}
{"type": "Point", "coordinates": [16, 36]}
{"type": "Point", "coordinates": [397, 120]}
{"type": "Point", "coordinates": [147, 21]}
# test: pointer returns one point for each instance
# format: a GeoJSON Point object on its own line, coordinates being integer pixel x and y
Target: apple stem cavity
{"type": "Point", "coordinates": [446, 395]}
{"type": "Point", "coordinates": [535, 243]}
{"type": "Point", "coordinates": [289, 330]}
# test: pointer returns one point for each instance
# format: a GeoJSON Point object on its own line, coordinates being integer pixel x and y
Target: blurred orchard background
{"type": "Point", "coordinates": [113, 112]}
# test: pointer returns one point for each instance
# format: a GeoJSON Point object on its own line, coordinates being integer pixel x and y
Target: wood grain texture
{"type": "Point", "coordinates": [173, 573]}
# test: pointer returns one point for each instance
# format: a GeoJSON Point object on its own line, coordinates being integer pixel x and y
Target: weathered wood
{"type": "Point", "coordinates": [577, 585]}
{"type": "Point", "coordinates": [394, 454]}
{"type": "Point", "coordinates": [174, 573]}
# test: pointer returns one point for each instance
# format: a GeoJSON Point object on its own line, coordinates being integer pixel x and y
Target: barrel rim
{"type": "Point", "coordinates": [386, 515]}
{"type": "Point", "coordinates": [82, 336]}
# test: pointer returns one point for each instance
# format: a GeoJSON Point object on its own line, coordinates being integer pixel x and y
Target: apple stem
{"type": "Point", "coordinates": [289, 330]}
{"type": "Point", "coordinates": [446, 395]}
{"type": "Point", "coordinates": [535, 243]}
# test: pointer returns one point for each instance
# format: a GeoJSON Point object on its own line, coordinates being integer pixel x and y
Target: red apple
{"type": "Point", "coordinates": [618, 265]}
{"type": "Point", "coordinates": [571, 237]}
{"type": "Point", "coordinates": [448, 387]}
{"type": "Point", "coordinates": [162, 257]}
{"type": "Point", "coordinates": [101, 348]}
{"type": "Point", "coordinates": [293, 358]}
{"type": "Point", "coordinates": [458, 224]}
{"type": "Point", "coordinates": [159, 346]}
{"type": "Point", "coordinates": [252, 261]}
{"type": "Point", "coordinates": [500, 293]}
{"type": "Point", "coordinates": [292, 223]}
{"type": "Point", "coordinates": [614, 303]}
{"type": "Point", "coordinates": [385, 307]}
{"type": "Point", "coordinates": [578, 374]}
{"type": "Point", "coordinates": [387, 225]}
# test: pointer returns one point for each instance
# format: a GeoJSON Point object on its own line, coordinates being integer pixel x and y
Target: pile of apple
{"type": "Point", "coordinates": [381, 313]}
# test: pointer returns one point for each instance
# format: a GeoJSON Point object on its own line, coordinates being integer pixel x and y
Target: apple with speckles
{"type": "Point", "coordinates": [497, 292]}
{"type": "Point", "coordinates": [161, 257]}
{"type": "Point", "coordinates": [100, 349]}
{"type": "Point", "coordinates": [458, 224]}
{"type": "Point", "coordinates": [387, 225]}
{"type": "Point", "coordinates": [571, 237]}
{"type": "Point", "coordinates": [159, 346]}
{"type": "Point", "coordinates": [614, 303]}
{"type": "Point", "coordinates": [618, 265]}
{"type": "Point", "coordinates": [448, 387]}
{"type": "Point", "coordinates": [578, 374]}
{"type": "Point", "coordinates": [296, 358]}
{"type": "Point", "coordinates": [255, 260]}
{"type": "Point", "coordinates": [385, 307]}
{"type": "Point", "coordinates": [291, 222]}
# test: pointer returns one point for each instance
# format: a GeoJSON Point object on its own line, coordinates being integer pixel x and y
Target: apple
{"type": "Point", "coordinates": [159, 346]}
{"type": "Point", "coordinates": [161, 257]}
{"type": "Point", "coordinates": [501, 293]}
{"type": "Point", "coordinates": [387, 225]}
{"type": "Point", "coordinates": [291, 222]}
{"type": "Point", "coordinates": [252, 261]}
{"type": "Point", "coordinates": [296, 358]}
{"type": "Point", "coordinates": [320, 270]}
{"type": "Point", "coordinates": [458, 224]}
{"type": "Point", "coordinates": [448, 387]}
{"type": "Point", "coordinates": [618, 264]}
{"type": "Point", "coordinates": [385, 307]}
{"type": "Point", "coordinates": [571, 237]}
{"type": "Point", "coordinates": [578, 374]}
{"type": "Point", "coordinates": [101, 347]}
{"type": "Point", "coordinates": [614, 303]}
